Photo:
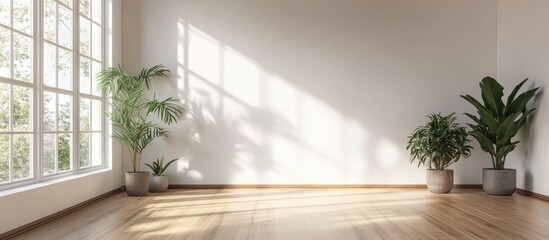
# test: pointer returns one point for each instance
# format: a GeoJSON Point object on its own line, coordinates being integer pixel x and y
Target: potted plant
{"type": "Point", "coordinates": [437, 145]}
{"type": "Point", "coordinates": [494, 127]}
{"type": "Point", "coordinates": [130, 113]}
{"type": "Point", "coordinates": [158, 181]}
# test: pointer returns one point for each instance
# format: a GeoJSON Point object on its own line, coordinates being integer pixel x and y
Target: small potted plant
{"type": "Point", "coordinates": [158, 181]}
{"type": "Point", "coordinates": [130, 115]}
{"type": "Point", "coordinates": [437, 145]}
{"type": "Point", "coordinates": [494, 128]}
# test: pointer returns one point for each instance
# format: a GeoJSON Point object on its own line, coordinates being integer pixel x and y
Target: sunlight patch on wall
{"type": "Point", "coordinates": [321, 126]}
{"type": "Point", "coordinates": [205, 95]}
{"type": "Point", "coordinates": [245, 173]}
{"type": "Point", "coordinates": [284, 152]}
{"type": "Point", "coordinates": [204, 55]}
{"type": "Point", "coordinates": [181, 44]}
{"type": "Point", "coordinates": [388, 154]}
{"type": "Point", "coordinates": [354, 151]}
{"type": "Point", "coordinates": [266, 130]}
{"type": "Point", "coordinates": [282, 100]}
{"type": "Point", "coordinates": [240, 77]}
{"type": "Point", "coordinates": [182, 164]}
{"type": "Point", "coordinates": [244, 120]}
{"type": "Point", "coordinates": [194, 174]}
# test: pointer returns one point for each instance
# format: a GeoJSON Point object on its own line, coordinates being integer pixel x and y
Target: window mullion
{"type": "Point", "coordinates": [104, 99]}
{"type": "Point", "coordinates": [16, 82]}
{"type": "Point", "coordinates": [38, 104]}
{"type": "Point", "coordinates": [57, 44]}
{"type": "Point", "coordinates": [76, 84]}
{"type": "Point", "coordinates": [10, 100]}
{"type": "Point", "coordinates": [24, 34]}
{"type": "Point", "coordinates": [10, 138]}
{"type": "Point", "coordinates": [56, 147]}
{"type": "Point", "coordinates": [11, 40]}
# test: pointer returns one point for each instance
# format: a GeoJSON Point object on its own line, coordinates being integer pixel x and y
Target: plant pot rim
{"type": "Point", "coordinates": [163, 175]}
{"type": "Point", "coordinates": [434, 169]}
{"type": "Point", "coordinates": [505, 169]}
{"type": "Point", "coordinates": [140, 172]}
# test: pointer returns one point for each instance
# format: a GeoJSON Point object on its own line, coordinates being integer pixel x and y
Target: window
{"type": "Point", "coordinates": [16, 91]}
{"type": "Point", "coordinates": [50, 112]}
{"type": "Point", "coordinates": [90, 57]}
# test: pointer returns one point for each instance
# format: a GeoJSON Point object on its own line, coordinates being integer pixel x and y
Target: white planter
{"type": "Point", "coordinates": [158, 183]}
{"type": "Point", "coordinates": [440, 181]}
{"type": "Point", "coordinates": [137, 183]}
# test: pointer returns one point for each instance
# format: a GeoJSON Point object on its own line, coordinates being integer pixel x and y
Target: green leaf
{"type": "Point", "coordinates": [492, 92]}
{"type": "Point", "coordinates": [473, 117]}
{"type": "Point", "coordinates": [474, 102]}
{"type": "Point", "coordinates": [146, 75]}
{"type": "Point", "coordinates": [158, 168]}
{"type": "Point", "coordinates": [485, 142]}
{"type": "Point", "coordinates": [505, 131]}
{"type": "Point", "coordinates": [520, 103]}
{"type": "Point", "coordinates": [511, 97]}
{"type": "Point", "coordinates": [523, 118]}
{"type": "Point", "coordinates": [167, 109]}
{"type": "Point", "coordinates": [489, 120]}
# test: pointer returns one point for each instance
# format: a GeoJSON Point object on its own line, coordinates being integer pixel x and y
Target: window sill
{"type": "Point", "coordinates": [45, 183]}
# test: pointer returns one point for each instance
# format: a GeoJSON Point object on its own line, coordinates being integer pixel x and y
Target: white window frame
{"type": "Point", "coordinates": [38, 89]}
{"type": "Point", "coordinates": [31, 85]}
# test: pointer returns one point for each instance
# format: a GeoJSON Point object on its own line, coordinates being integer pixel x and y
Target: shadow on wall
{"type": "Point", "coordinates": [250, 126]}
{"type": "Point", "coordinates": [527, 134]}
{"type": "Point", "coordinates": [314, 91]}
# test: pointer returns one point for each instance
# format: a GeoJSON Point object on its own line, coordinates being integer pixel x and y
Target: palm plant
{"type": "Point", "coordinates": [439, 143]}
{"type": "Point", "coordinates": [131, 108]}
{"type": "Point", "coordinates": [158, 168]}
{"type": "Point", "coordinates": [498, 122]}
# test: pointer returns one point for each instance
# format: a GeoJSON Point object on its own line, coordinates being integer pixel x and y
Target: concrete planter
{"type": "Point", "coordinates": [440, 181]}
{"type": "Point", "coordinates": [499, 182]}
{"type": "Point", "coordinates": [137, 183]}
{"type": "Point", "coordinates": [158, 183]}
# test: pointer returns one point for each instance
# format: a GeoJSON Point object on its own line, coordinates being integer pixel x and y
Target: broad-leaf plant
{"type": "Point", "coordinates": [497, 122]}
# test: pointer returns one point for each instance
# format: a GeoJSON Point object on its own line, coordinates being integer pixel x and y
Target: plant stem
{"type": "Point", "coordinates": [134, 161]}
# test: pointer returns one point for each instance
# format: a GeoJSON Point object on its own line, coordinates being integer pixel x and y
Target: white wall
{"type": "Point", "coordinates": [309, 92]}
{"type": "Point", "coordinates": [29, 205]}
{"type": "Point", "coordinates": [523, 51]}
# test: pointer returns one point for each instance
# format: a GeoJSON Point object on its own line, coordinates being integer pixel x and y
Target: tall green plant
{"type": "Point", "coordinates": [439, 143]}
{"type": "Point", "coordinates": [131, 108]}
{"type": "Point", "coordinates": [498, 122]}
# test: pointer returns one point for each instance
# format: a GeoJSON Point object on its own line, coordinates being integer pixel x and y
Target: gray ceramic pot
{"type": "Point", "coordinates": [137, 183]}
{"type": "Point", "coordinates": [499, 182]}
{"type": "Point", "coordinates": [158, 183]}
{"type": "Point", "coordinates": [440, 181]}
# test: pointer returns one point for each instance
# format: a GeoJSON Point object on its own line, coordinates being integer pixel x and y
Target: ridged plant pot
{"type": "Point", "coordinates": [440, 181]}
{"type": "Point", "coordinates": [499, 182]}
{"type": "Point", "coordinates": [158, 183]}
{"type": "Point", "coordinates": [137, 183]}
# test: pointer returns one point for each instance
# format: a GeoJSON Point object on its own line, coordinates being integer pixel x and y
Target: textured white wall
{"type": "Point", "coordinates": [309, 92]}
{"type": "Point", "coordinates": [523, 51]}
{"type": "Point", "coordinates": [32, 204]}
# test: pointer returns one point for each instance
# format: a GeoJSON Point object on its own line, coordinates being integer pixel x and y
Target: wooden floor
{"type": "Point", "coordinates": [305, 214]}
